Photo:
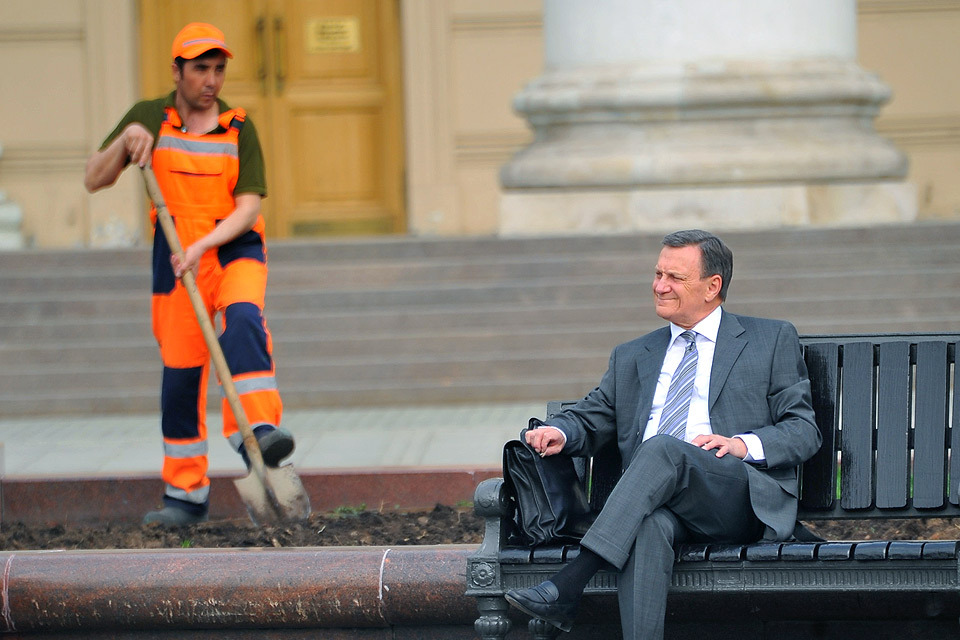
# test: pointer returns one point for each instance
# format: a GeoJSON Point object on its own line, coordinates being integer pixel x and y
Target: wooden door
{"type": "Point", "coordinates": [321, 81]}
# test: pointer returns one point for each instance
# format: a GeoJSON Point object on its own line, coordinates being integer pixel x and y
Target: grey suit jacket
{"type": "Point", "coordinates": [758, 384]}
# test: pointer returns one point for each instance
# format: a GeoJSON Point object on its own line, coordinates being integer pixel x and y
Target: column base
{"type": "Point", "coordinates": [11, 217]}
{"type": "Point", "coordinates": [599, 211]}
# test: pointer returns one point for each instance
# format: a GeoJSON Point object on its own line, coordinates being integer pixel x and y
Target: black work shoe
{"type": "Point", "coordinates": [543, 601]}
{"type": "Point", "coordinates": [173, 517]}
{"type": "Point", "coordinates": [275, 445]}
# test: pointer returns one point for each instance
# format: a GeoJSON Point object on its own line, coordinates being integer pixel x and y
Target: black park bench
{"type": "Point", "coordinates": [888, 408]}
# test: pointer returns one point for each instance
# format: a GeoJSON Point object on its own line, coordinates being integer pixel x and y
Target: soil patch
{"type": "Point", "coordinates": [442, 525]}
{"type": "Point", "coordinates": [891, 529]}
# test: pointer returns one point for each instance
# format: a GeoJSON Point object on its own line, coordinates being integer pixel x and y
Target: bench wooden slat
{"type": "Point", "coordinates": [905, 550]}
{"type": "Point", "coordinates": [955, 435]}
{"type": "Point", "coordinates": [835, 551]}
{"type": "Point", "coordinates": [893, 425]}
{"type": "Point", "coordinates": [940, 550]}
{"type": "Point", "coordinates": [819, 479]}
{"type": "Point", "coordinates": [798, 552]}
{"type": "Point", "coordinates": [763, 552]}
{"type": "Point", "coordinates": [856, 442]}
{"type": "Point", "coordinates": [873, 550]}
{"type": "Point", "coordinates": [930, 426]}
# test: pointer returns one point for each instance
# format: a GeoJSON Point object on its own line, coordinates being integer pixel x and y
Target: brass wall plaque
{"type": "Point", "coordinates": [333, 35]}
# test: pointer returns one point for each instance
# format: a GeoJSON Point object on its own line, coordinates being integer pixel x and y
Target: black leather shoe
{"type": "Point", "coordinates": [543, 601]}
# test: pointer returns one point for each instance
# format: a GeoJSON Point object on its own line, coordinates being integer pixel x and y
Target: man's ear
{"type": "Point", "coordinates": [714, 286]}
{"type": "Point", "coordinates": [176, 72]}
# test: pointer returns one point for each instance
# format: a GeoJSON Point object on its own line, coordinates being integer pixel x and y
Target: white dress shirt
{"type": "Point", "coordinates": [698, 418]}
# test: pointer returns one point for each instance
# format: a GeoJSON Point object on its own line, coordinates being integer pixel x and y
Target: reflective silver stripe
{"type": "Point", "coordinates": [235, 441]}
{"type": "Point", "coordinates": [198, 146]}
{"type": "Point", "coordinates": [237, 438]}
{"type": "Point", "coordinates": [265, 383]}
{"type": "Point", "coordinates": [191, 450]}
{"type": "Point", "coordinates": [197, 496]}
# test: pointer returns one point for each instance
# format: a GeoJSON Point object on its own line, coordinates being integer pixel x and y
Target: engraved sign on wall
{"type": "Point", "coordinates": [333, 35]}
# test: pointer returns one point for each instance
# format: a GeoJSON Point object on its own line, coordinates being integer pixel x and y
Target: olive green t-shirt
{"type": "Point", "coordinates": [149, 113]}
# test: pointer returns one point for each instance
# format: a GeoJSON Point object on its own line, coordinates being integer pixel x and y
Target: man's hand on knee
{"type": "Point", "coordinates": [733, 446]}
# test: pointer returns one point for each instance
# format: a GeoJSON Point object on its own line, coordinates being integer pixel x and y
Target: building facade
{"type": "Point", "coordinates": [377, 116]}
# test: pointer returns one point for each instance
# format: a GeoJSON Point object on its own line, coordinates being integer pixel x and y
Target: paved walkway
{"type": "Point", "coordinates": [420, 436]}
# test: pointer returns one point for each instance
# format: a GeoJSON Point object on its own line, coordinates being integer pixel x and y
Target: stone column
{"type": "Point", "coordinates": [667, 114]}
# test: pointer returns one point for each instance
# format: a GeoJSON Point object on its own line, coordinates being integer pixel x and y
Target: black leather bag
{"type": "Point", "coordinates": [551, 504]}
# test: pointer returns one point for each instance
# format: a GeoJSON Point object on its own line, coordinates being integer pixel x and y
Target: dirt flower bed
{"type": "Point", "coordinates": [442, 525]}
{"type": "Point", "coordinates": [892, 529]}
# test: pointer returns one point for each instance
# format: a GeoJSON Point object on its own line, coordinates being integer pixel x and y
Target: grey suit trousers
{"type": "Point", "coordinates": [671, 492]}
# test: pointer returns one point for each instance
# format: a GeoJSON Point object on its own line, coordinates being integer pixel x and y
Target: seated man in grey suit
{"type": "Point", "coordinates": [712, 415]}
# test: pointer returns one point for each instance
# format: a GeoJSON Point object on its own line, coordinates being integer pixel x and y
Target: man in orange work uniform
{"type": "Point", "coordinates": [208, 162]}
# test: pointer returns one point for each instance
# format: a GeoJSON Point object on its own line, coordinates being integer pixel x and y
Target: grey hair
{"type": "Point", "coordinates": [716, 257]}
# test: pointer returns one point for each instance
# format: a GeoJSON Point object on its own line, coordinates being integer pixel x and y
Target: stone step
{"type": "Point", "coordinates": [437, 369]}
{"type": "Point", "coordinates": [457, 330]}
{"type": "Point", "coordinates": [421, 358]}
{"type": "Point", "coordinates": [287, 274]}
{"type": "Point", "coordinates": [338, 249]}
{"type": "Point", "coordinates": [406, 320]}
{"type": "Point", "coordinates": [340, 324]}
{"type": "Point", "coordinates": [336, 323]}
{"type": "Point", "coordinates": [809, 295]}
{"type": "Point", "coordinates": [391, 393]}
{"type": "Point", "coordinates": [781, 243]}
{"type": "Point", "coordinates": [292, 347]}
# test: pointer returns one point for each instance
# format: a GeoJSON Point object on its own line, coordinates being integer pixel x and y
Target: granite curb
{"type": "Point", "coordinates": [316, 588]}
{"type": "Point", "coordinates": [124, 498]}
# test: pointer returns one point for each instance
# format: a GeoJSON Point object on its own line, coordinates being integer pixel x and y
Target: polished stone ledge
{"type": "Point", "coordinates": [119, 499]}
{"type": "Point", "coordinates": [237, 589]}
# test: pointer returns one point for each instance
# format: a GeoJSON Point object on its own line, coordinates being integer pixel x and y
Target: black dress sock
{"type": "Point", "coordinates": [573, 578]}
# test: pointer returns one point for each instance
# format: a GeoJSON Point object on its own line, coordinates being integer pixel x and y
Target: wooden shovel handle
{"type": "Point", "coordinates": [206, 326]}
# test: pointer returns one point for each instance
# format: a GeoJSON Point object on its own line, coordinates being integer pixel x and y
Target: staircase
{"type": "Point", "coordinates": [427, 321]}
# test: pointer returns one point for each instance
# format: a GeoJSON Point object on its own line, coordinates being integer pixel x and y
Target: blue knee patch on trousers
{"type": "Point", "coordinates": [179, 394]}
{"type": "Point", "coordinates": [244, 339]}
{"type": "Point", "coordinates": [248, 245]}
{"type": "Point", "coordinates": [163, 279]}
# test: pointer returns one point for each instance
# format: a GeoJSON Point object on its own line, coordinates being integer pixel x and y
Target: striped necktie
{"type": "Point", "coordinates": [673, 418]}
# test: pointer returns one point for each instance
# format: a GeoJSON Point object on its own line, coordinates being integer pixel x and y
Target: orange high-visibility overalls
{"type": "Point", "coordinates": [197, 175]}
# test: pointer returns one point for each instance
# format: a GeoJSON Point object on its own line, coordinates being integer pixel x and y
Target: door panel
{"type": "Point", "coordinates": [321, 81]}
{"type": "Point", "coordinates": [336, 39]}
{"type": "Point", "coordinates": [339, 108]}
{"type": "Point", "coordinates": [351, 174]}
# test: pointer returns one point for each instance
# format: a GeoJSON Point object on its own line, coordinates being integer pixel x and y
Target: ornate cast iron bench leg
{"type": "Point", "coordinates": [493, 623]}
{"type": "Point", "coordinates": [541, 630]}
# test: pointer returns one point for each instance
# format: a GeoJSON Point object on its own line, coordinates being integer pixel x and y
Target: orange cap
{"type": "Point", "coordinates": [197, 38]}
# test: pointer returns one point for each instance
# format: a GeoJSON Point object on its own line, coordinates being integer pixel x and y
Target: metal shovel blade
{"type": "Point", "coordinates": [289, 502]}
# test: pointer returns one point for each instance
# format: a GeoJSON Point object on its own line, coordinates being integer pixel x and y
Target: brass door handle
{"type": "Point", "coordinates": [278, 43]}
{"type": "Point", "coordinates": [262, 54]}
